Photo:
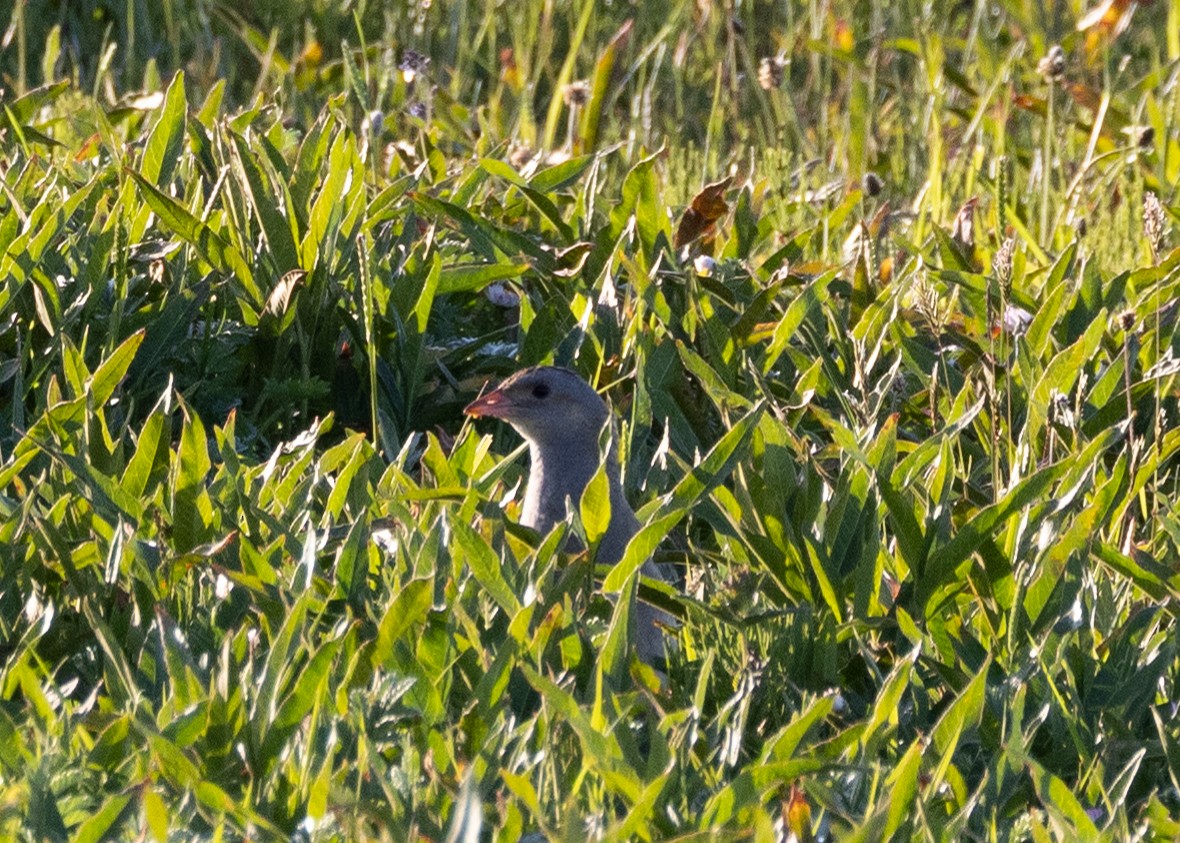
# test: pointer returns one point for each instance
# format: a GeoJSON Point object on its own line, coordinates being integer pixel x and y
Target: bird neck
{"type": "Point", "coordinates": [558, 474]}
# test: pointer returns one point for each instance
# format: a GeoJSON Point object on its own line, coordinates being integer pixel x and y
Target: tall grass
{"type": "Point", "coordinates": [909, 432]}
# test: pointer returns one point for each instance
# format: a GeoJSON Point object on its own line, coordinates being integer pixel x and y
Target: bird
{"type": "Point", "coordinates": [561, 417]}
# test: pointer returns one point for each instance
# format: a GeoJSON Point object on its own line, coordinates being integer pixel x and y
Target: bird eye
{"type": "Point", "coordinates": [541, 390]}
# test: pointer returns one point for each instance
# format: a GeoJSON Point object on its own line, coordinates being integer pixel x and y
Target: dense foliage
{"type": "Point", "coordinates": [884, 295]}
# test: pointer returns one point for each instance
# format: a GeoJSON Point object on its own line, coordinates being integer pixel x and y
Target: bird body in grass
{"type": "Point", "coordinates": [561, 418]}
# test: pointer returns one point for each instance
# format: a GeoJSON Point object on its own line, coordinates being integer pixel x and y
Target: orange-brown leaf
{"type": "Point", "coordinates": [707, 207]}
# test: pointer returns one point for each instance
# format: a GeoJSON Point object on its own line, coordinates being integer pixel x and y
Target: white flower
{"type": "Point", "coordinates": [704, 265]}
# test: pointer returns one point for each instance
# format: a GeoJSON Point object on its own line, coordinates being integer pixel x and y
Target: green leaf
{"type": "Point", "coordinates": [166, 140]}
{"type": "Point", "coordinates": [911, 542]}
{"type": "Point", "coordinates": [959, 717]}
{"type": "Point", "coordinates": [1058, 799]}
{"type": "Point", "coordinates": [1032, 491]}
{"type": "Point", "coordinates": [503, 170]}
{"type": "Point", "coordinates": [103, 822]}
{"type": "Point", "coordinates": [473, 277]}
{"type": "Point", "coordinates": [809, 301]}
{"type": "Point", "coordinates": [561, 175]}
{"type": "Point", "coordinates": [74, 368]}
{"type": "Point", "coordinates": [192, 509]}
{"type": "Point", "coordinates": [595, 506]}
{"type": "Point", "coordinates": [901, 787]}
{"type": "Point", "coordinates": [275, 227]}
{"type": "Point", "coordinates": [211, 107]}
{"type": "Point", "coordinates": [713, 469]}
{"type": "Point", "coordinates": [488, 239]}
{"type": "Point", "coordinates": [485, 566]}
{"type": "Point", "coordinates": [112, 370]}
{"type": "Point", "coordinates": [425, 300]}
{"type": "Point", "coordinates": [601, 85]}
{"type": "Point", "coordinates": [754, 784]}
{"type": "Point", "coordinates": [309, 688]}
{"type": "Point", "coordinates": [150, 458]}
{"type": "Point", "coordinates": [118, 674]}
{"type": "Point", "coordinates": [641, 199]}
{"type": "Point", "coordinates": [616, 650]}
{"type": "Point", "coordinates": [155, 813]}
{"type": "Point", "coordinates": [329, 208]}
{"type": "Point", "coordinates": [215, 251]}
{"type": "Point", "coordinates": [24, 107]}
{"type": "Point", "coordinates": [407, 609]}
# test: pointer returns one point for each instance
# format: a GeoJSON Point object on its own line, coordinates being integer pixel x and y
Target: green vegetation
{"type": "Point", "coordinates": [910, 433]}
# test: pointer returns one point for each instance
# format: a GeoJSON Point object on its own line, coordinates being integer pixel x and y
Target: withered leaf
{"type": "Point", "coordinates": [707, 207]}
{"type": "Point", "coordinates": [280, 297]}
{"type": "Point", "coordinates": [963, 229]}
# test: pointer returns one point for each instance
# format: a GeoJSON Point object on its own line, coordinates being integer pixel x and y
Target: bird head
{"type": "Point", "coordinates": [547, 405]}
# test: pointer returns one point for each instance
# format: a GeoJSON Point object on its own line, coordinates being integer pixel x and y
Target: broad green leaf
{"type": "Point", "coordinates": [595, 508]}
{"type": "Point", "coordinates": [1059, 800]}
{"type": "Point", "coordinates": [166, 140]}
{"type": "Point", "coordinates": [425, 300]}
{"type": "Point", "coordinates": [150, 458]}
{"type": "Point", "coordinates": [310, 687]}
{"type": "Point", "coordinates": [405, 610]}
{"type": "Point", "coordinates": [104, 821]}
{"type": "Point", "coordinates": [112, 370]}
{"type": "Point", "coordinates": [277, 230]}
{"type": "Point", "coordinates": [74, 368]}
{"type": "Point", "coordinates": [713, 469]}
{"type": "Point", "coordinates": [786, 743]}
{"type": "Point", "coordinates": [809, 301]}
{"type": "Point", "coordinates": [331, 203]}
{"type": "Point", "coordinates": [485, 566]}
{"type": "Point", "coordinates": [561, 175]}
{"type": "Point", "coordinates": [156, 814]}
{"type": "Point", "coordinates": [24, 107]}
{"type": "Point", "coordinates": [343, 481]}
{"type": "Point", "coordinates": [756, 782]}
{"type": "Point", "coordinates": [471, 278]}
{"type": "Point", "coordinates": [641, 199]}
{"type": "Point", "coordinates": [192, 509]}
{"type": "Point", "coordinates": [960, 716]}
{"type": "Point", "coordinates": [503, 170]}
{"type": "Point", "coordinates": [209, 246]}
{"type": "Point", "coordinates": [1030, 492]}
{"type": "Point", "coordinates": [489, 240]}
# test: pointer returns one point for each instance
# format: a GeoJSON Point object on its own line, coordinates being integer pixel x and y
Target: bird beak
{"type": "Point", "coordinates": [489, 404]}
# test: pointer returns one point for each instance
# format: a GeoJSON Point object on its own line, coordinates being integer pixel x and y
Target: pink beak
{"type": "Point", "coordinates": [489, 404]}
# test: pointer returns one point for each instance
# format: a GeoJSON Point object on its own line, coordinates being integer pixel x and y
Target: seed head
{"type": "Point", "coordinates": [576, 94]}
{"type": "Point", "coordinates": [1155, 224]}
{"type": "Point", "coordinates": [771, 71]}
{"type": "Point", "coordinates": [1002, 264]}
{"type": "Point", "coordinates": [872, 184]}
{"type": "Point", "coordinates": [1126, 320]}
{"type": "Point", "coordinates": [1052, 64]}
{"type": "Point", "coordinates": [928, 303]}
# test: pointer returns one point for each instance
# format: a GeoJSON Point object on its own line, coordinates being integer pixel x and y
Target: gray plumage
{"type": "Point", "coordinates": [561, 418]}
